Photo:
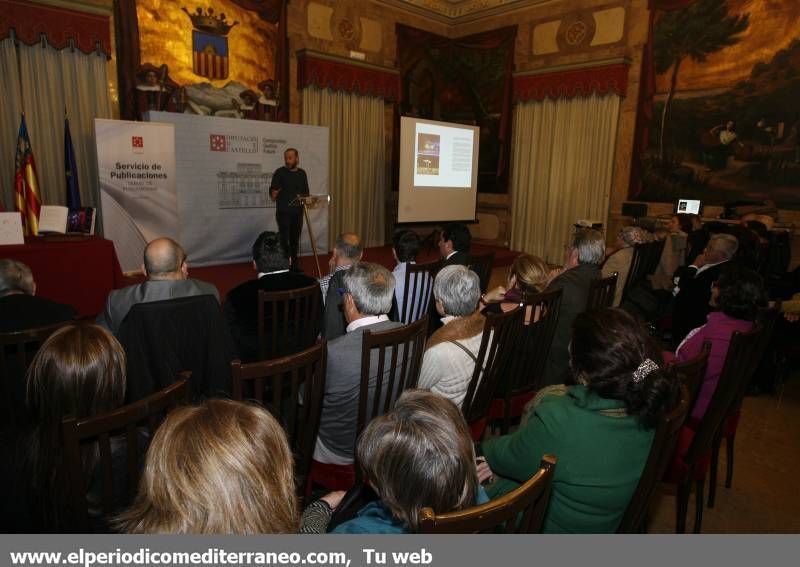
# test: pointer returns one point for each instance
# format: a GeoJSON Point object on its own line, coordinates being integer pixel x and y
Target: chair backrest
{"type": "Point", "coordinates": [644, 262]}
{"type": "Point", "coordinates": [418, 291]}
{"type": "Point", "coordinates": [739, 366]}
{"type": "Point", "coordinates": [499, 337]}
{"type": "Point", "coordinates": [692, 372]}
{"type": "Point", "coordinates": [292, 388]}
{"type": "Point", "coordinates": [520, 511]}
{"type": "Point", "coordinates": [162, 338]}
{"type": "Point", "coordinates": [601, 292]}
{"type": "Point", "coordinates": [767, 319]}
{"type": "Point", "coordinates": [390, 363]}
{"type": "Point", "coordinates": [481, 264]}
{"type": "Point", "coordinates": [661, 451]}
{"type": "Point", "coordinates": [129, 429]}
{"type": "Point", "coordinates": [525, 368]}
{"type": "Point", "coordinates": [288, 321]}
{"type": "Point", "coordinates": [17, 349]}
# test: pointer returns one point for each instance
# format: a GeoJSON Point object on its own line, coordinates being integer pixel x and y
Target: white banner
{"type": "Point", "coordinates": [224, 169]}
{"type": "Point", "coordinates": [203, 181]}
{"type": "Point", "coordinates": [138, 199]}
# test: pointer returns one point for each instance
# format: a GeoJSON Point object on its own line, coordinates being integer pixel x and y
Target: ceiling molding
{"type": "Point", "coordinates": [452, 12]}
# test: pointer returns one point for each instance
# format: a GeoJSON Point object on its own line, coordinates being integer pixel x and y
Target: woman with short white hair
{"type": "Point", "coordinates": [452, 351]}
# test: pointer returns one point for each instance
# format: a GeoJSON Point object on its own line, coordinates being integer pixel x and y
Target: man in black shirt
{"type": "Point", "coordinates": [287, 183]}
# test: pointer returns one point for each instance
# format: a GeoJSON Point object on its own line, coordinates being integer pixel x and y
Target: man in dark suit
{"type": "Point", "coordinates": [272, 263]}
{"type": "Point", "coordinates": [582, 259]}
{"type": "Point", "coordinates": [693, 286]}
{"type": "Point", "coordinates": [454, 242]}
{"type": "Point", "coordinates": [346, 252]}
{"type": "Point", "coordinates": [20, 307]}
{"type": "Point", "coordinates": [167, 276]}
{"type": "Point", "coordinates": [367, 301]}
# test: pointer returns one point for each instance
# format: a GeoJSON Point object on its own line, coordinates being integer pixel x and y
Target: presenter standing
{"type": "Point", "coordinates": [288, 182]}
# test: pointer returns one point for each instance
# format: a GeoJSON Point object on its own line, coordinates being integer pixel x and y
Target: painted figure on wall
{"type": "Point", "coordinates": [725, 115]}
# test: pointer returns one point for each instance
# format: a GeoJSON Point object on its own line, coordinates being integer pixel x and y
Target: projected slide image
{"type": "Point", "coordinates": [443, 156]}
{"type": "Point", "coordinates": [428, 154]}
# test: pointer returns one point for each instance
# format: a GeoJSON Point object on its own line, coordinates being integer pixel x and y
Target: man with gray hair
{"type": "Point", "coordinates": [582, 259]}
{"type": "Point", "coordinates": [346, 252]}
{"type": "Point", "coordinates": [367, 300]}
{"type": "Point", "coordinates": [21, 309]}
{"type": "Point", "coordinates": [693, 285]}
{"type": "Point", "coordinates": [452, 351]}
{"type": "Point", "coordinates": [167, 273]}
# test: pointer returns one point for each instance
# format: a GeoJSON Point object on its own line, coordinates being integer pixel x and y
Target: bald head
{"type": "Point", "coordinates": [164, 259]}
{"type": "Point", "coordinates": [347, 248]}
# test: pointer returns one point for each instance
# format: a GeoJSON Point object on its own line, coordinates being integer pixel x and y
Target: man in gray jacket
{"type": "Point", "coordinates": [369, 289]}
{"type": "Point", "coordinates": [167, 276]}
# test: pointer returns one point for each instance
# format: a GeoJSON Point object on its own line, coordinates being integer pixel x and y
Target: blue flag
{"type": "Point", "coordinates": [73, 192]}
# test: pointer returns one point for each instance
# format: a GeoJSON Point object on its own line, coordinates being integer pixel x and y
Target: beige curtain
{"type": "Point", "coordinates": [561, 169]}
{"type": "Point", "coordinates": [10, 108]}
{"type": "Point", "coordinates": [44, 82]}
{"type": "Point", "coordinates": [357, 161]}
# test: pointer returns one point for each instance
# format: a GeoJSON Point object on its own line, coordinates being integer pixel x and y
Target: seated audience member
{"type": "Point", "coordinates": [693, 286]}
{"type": "Point", "coordinates": [419, 455]}
{"type": "Point", "coordinates": [221, 468]}
{"type": "Point", "coordinates": [454, 243]}
{"type": "Point", "coordinates": [696, 238]}
{"type": "Point", "coordinates": [167, 276]}
{"type": "Point", "coordinates": [674, 254]}
{"type": "Point", "coordinates": [452, 350]}
{"type": "Point", "coordinates": [527, 276]}
{"type": "Point", "coordinates": [79, 371]}
{"type": "Point", "coordinates": [405, 247]}
{"type": "Point", "coordinates": [346, 252]}
{"type": "Point", "coordinates": [738, 295]}
{"type": "Point", "coordinates": [582, 259]}
{"type": "Point", "coordinates": [601, 429]}
{"type": "Point", "coordinates": [620, 257]}
{"type": "Point", "coordinates": [367, 300]}
{"type": "Point", "coordinates": [271, 263]}
{"type": "Point", "coordinates": [20, 307]}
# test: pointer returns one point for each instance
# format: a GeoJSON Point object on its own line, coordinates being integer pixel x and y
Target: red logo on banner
{"type": "Point", "coordinates": [218, 143]}
{"type": "Point", "coordinates": [137, 142]}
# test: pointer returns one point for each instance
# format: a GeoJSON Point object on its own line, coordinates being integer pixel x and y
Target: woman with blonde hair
{"type": "Point", "coordinates": [620, 256]}
{"type": "Point", "coordinates": [79, 371]}
{"type": "Point", "coordinates": [527, 275]}
{"type": "Point", "coordinates": [221, 468]}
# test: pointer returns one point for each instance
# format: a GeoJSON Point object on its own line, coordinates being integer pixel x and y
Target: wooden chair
{"type": "Point", "coordinates": [731, 423]}
{"type": "Point", "coordinates": [390, 363]}
{"type": "Point", "coordinates": [482, 264]}
{"type": "Point", "coordinates": [521, 511]}
{"type": "Point", "coordinates": [601, 292]}
{"type": "Point", "coordinates": [499, 338]}
{"type": "Point", "coordinates": [644, 262]}
{"type": "Point", "coordinates": [524, 370]}
{"type": "Point", "coordinates": [288, 321]}
{"type": "Point", "coordinates": [129, 427]}
{"type": "Point", "coordinates": [291, 388]}
{"type": "Point", "coordinates": [664, 441]}
{"type": "Point", "coordinates": [17, 350]}
{"type": "Point", "coordinates": [418, 291]}
{"type": "Point", "coordinates": [692, 457]}
{"type": "Point", "coordinates": [692, 372]}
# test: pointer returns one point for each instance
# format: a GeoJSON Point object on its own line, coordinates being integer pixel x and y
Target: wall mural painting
{"type": "Point", "coordinates": [465, 80]}
{"type": "Point", "coordinates": [725, 121]}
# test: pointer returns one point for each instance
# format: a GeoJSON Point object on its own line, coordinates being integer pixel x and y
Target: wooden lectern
{"type": "Point", "coordinates": [312, 202]}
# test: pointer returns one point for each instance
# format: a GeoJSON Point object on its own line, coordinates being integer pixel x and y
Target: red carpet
{"type": "Point", "coordinates": [228, 276]}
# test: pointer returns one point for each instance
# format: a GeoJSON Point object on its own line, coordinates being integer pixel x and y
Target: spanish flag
{"type": "Point", "coordinates": [27, 198]}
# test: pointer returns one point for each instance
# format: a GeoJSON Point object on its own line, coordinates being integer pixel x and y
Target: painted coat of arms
{"type": "Point", "coordinates": [210, 43]}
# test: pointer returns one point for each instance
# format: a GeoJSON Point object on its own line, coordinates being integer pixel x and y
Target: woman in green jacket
{"type": "Point", "coordinates": [601, 428]}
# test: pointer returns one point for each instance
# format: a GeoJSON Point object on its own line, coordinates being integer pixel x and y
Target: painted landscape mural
{"type": "Point", "coordinates": [726, 114]}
